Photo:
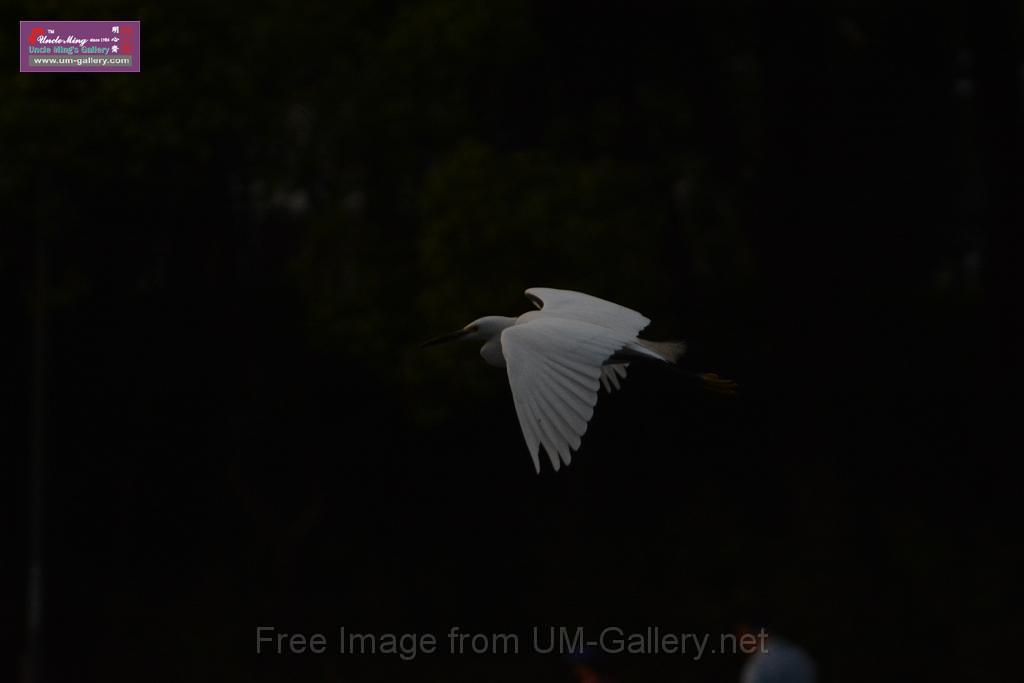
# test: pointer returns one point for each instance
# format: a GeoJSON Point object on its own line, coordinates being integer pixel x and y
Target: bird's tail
{"type": "Point", "coordinates": [669, 351]}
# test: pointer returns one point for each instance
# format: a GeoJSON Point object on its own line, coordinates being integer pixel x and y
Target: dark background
{"type": "Point", "coordinates": [215, 273]}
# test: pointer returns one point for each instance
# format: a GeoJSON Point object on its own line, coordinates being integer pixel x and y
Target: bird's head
{"type": "Point", "coordinates": [481, 328]}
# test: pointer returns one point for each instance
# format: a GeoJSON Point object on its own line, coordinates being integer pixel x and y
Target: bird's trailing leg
{"type": "Point", "coordinates": [717, 385]}
{"type": "Point", "coordinates": [710, 381]}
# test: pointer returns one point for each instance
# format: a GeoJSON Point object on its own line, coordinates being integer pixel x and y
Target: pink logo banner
{"type": "Point", "coordinates": [80, 46]}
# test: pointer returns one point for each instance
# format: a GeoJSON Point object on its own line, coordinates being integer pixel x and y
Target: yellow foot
{"type": "Point", "coordinates": [717, 385]}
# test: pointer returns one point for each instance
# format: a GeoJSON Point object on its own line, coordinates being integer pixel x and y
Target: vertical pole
{"type": "Point", "coordinates": [32, 672]}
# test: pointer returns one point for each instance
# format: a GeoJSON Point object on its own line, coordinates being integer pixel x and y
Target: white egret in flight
{"type": "Point", "coordinates": [558, 357]}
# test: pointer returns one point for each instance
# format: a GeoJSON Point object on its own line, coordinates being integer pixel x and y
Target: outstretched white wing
{"type": "Point", "coordinates": [564, 303]}
{"type": "Point", "coordinates": [554, 369]}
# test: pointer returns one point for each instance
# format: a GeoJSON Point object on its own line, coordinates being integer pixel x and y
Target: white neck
{"type": "Point", "coordinates": [491, 326]}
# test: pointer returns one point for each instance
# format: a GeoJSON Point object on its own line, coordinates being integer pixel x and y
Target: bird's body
{"type": "Point", "coordinates": [558, 357]}
{"type": "Point", "coordinates": [493, 354]}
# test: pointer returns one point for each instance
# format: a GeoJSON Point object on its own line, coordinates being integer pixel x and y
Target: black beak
{"type": "Point", "coordinates": [445, 338]}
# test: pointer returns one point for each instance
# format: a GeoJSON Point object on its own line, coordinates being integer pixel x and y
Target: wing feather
{"type": "Point", "coordinates": [567, 407]}
{"type": "Point", "coordinates": [528, 424]}
{"type": "Point", "coordinates": [555, 367]}
{"type": "Point", "coordinates": [611, 376]}
{"type": "Point", "coordinates": [562, 433]}
{"type": "Point", "coordinates": [575, 382]}
{"type": "Point", "coordinates": [547, 434]}
{"type": "Point", "coordinates": [565, 303]}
